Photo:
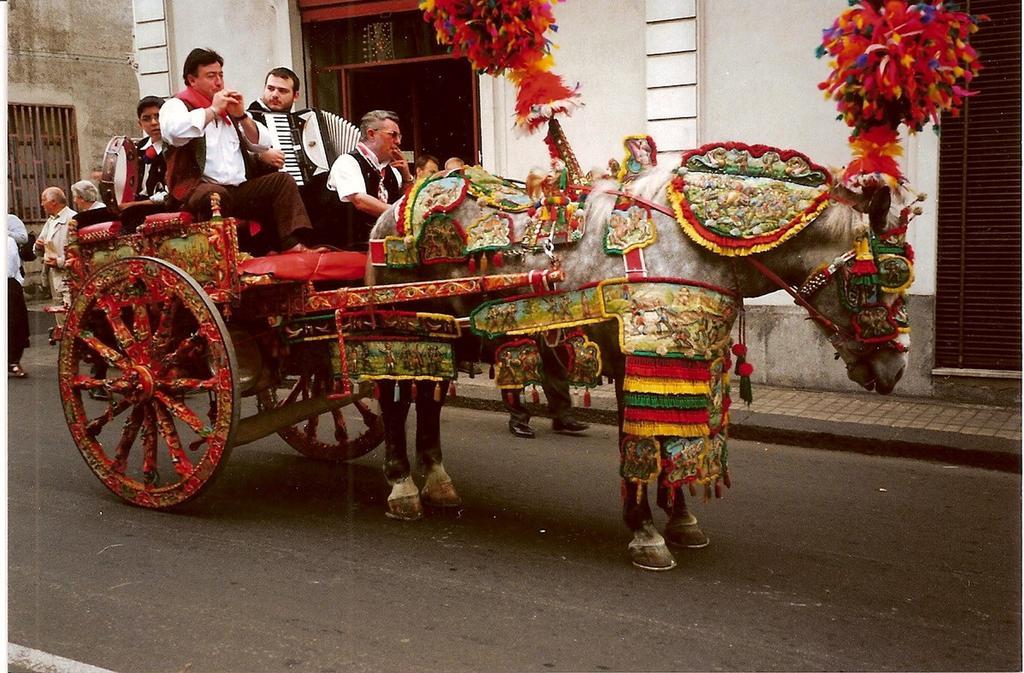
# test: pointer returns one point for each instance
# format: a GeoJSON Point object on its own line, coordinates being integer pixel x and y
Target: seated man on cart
{"type": "Point", "coordinates": [370, 178]}
{"type": "Point", "coordinates": [208, 131]}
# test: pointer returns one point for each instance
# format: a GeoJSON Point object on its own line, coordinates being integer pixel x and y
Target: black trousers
{"type": "Point", "coordinates": [17, 322]}
{"type": "Point", "coordinates": [554, 380]}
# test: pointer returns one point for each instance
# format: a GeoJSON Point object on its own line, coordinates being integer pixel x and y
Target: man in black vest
{"type": "Point", "coordinates": [372, 176]}
{"type": "Point", "coordinates": [325, 211]}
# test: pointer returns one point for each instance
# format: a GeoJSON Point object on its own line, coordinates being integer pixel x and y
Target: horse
{"type": "Point", "coordinates": [804, 263]}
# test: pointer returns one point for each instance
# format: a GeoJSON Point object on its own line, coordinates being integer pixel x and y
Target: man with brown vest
{"type": "Point", "coordinates": [208, 131]}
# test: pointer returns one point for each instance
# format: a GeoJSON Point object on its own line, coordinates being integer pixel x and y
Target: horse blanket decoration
{"type": "Point", "coordinates": [429, 234]}
{"type": "Point", "coordinates": [517, 363]}
{"type": "Point", "coordinates": [737, 199]}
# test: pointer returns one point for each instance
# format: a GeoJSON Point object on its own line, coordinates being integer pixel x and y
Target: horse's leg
{"type": "Point", "coordinates": [404, 499]}
{"type": "Point", "coordinates": [647, 549]}
{"type": "Point", "coordinates": [682, 529]}
{"type": "Point", "coordinates": [438, 490]}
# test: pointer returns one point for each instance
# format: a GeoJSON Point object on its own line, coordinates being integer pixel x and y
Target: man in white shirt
{"type": "Point", "coordinates": [208, 132]}
{"type": "Point", "coordinates": [52, 240]}
{"type": "Point", "coordinates": [373, 175]}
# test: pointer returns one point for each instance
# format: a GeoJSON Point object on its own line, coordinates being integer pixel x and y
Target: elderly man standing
{"type": "Point", "coordinates": [372, 176]}
{"type": "Point", "coordinates": [52, 240]}
{"type": "Point", "coordinates": [209, 132]}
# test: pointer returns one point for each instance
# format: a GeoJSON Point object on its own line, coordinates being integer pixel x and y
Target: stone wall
{"type": "Point", "coordinates": [78, 54]}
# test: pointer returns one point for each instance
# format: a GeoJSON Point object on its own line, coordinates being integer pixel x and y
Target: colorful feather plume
{"type": "Point", "coordinates": [500, 37]}
{"type": "Point", "coordinates": [896, 62]}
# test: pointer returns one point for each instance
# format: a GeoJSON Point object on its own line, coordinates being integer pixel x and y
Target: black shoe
{"type": "Point", "coordinates": [568, 424]}
{"type": "Point", "coordinates": [522, 430]}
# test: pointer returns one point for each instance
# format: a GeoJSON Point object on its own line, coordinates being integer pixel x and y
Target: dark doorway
{"type": "Point", "coordinates": [436, 100]}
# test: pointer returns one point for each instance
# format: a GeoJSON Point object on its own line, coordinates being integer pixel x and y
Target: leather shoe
{"type": "Point", "coordinates": [522, 430]}
{"type": "Point", "coordinates": [568, 424]}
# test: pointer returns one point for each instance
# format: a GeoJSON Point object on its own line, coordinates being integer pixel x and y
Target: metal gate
{"type": "Point", "coordinates": [42, 151]}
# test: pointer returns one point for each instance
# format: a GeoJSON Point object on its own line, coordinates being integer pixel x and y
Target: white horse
{"type": "Point", "coordinates": [874, 364]}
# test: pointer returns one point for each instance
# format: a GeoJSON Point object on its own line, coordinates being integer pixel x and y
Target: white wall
{"type": "Point", "coordinates": [601, 46]}
{"type": "Point", "coordinates": [758, 83]}
{"type": "Point", "coordinates": [253, 36]}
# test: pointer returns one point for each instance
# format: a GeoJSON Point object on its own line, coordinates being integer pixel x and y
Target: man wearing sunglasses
{"type": "Point", "coordinates": [372, 176]}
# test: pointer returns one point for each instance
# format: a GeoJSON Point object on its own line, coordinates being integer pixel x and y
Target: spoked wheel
{"type": "Point", "coordinates": [144, 335]}
{"type": "Point", "coordinates": [336, 436]}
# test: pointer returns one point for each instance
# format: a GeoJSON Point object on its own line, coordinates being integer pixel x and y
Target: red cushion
{"type": "Point", "coordinates": [101, 228]}
{"type": "Point", "coordinates": [182, 216]}
{"type": "Point", "coordinates": [308, 266]}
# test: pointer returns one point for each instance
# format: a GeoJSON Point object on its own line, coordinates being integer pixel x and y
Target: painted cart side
{"type": "Point", "coordinates": [170, 355]}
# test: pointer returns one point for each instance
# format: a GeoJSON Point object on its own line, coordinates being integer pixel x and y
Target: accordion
{"type": "Point", "coordinates": [310, 139]}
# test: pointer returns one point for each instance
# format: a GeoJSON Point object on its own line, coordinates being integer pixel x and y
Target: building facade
{"type": "Point", "coordinates": [71, 86]}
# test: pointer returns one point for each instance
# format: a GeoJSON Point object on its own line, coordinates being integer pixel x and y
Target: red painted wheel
{"type": "Point", "coordinates": [143, 334]}
{"type": "Point", "coordinates": [336, 436]}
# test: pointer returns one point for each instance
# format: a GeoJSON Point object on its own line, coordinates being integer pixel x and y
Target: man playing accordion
{"type": "Point", "coordinates": [305, 144]}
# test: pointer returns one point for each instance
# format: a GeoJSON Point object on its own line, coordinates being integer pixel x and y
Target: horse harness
{"type": "Point", "coordinates": [841, 338]}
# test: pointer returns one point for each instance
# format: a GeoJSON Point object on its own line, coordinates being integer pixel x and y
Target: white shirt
{"type": "Point", "coordinates": [346, 176]}
{"type": "Point", "coordinates": [55, 236]}
{"type": "Point", "coordinates": [16, 229]}
{"type": "Point", "coordinates": [224, 162]}
{"type": "Point", "coordinates": [14, 261]}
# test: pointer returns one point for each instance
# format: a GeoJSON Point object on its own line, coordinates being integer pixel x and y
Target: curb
{"type": "Point", "coordinates": [940, 447]}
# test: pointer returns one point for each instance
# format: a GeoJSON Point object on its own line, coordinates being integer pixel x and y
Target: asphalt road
{"type": "Point", "coordinates": [818, 561]}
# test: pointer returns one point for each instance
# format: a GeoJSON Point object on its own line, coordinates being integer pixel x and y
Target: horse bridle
{"type": "Point", "coordinates": [843, 340]}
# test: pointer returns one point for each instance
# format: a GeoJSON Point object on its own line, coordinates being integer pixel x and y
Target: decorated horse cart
{"type": "Point", "coordinates": [184, 329]}
{"type": "Point", "coordinates": [639, 277]}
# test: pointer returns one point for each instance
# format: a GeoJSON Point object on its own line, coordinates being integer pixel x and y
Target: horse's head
{"type": "Point", "coordinates": [859, 296]}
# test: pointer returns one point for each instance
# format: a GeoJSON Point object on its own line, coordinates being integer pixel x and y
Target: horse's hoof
{"type": "Point", "coordinates": [683, 531]}
{"type": "Point", "coordinates": [651, 557]}
{"type": "Point", "coordinates": [442, 494]}
{"type": "Point", "coordinates": [405, 508]}
{"type": "Point", "coordinates": [647, 549]}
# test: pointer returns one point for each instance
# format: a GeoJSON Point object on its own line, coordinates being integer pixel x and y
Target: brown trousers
{"type": "Point", "coordinates": [272, 200]}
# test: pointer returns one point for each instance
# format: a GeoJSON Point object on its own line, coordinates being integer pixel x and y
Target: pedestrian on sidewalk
{"type": "Point", "coordinates": [52, 240]}
{"type": "Point", "coordinates": [17, 311]}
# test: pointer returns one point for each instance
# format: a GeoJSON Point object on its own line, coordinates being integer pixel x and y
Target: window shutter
{"type": "Point", "coordinates": [978, 293]}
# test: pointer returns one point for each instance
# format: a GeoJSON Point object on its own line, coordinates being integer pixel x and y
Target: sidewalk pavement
{"type": "Point", "coordinates": [911, 427]}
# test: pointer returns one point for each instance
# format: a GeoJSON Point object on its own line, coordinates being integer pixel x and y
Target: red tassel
{"type": "Point", "coordinates": [498, 259]}
{"type": "Point", "coordinates": [376, 391]}
{"type": "Point", "coordinates": [586, 397]}
{"type": "Point", "coordinates": [472, 265]}
{"type": "Point", "coordinates": [726, 479]}
{"type": "Point", "coordinates": [451, 389]}
{"type": "Point", "coordinates": [412, 391]}
{"type": "Point", "coordinates": [718, 490]}
{"type": "Point", "coordinates": [534, 395]}
{"type": "Point", "coordinates": [864, 267]}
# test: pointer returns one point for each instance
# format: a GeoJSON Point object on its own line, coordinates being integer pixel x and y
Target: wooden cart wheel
{"type": "Point", "coordinates": [336, 436]}
{"type": "Point", "coordinates": [144, 335]}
